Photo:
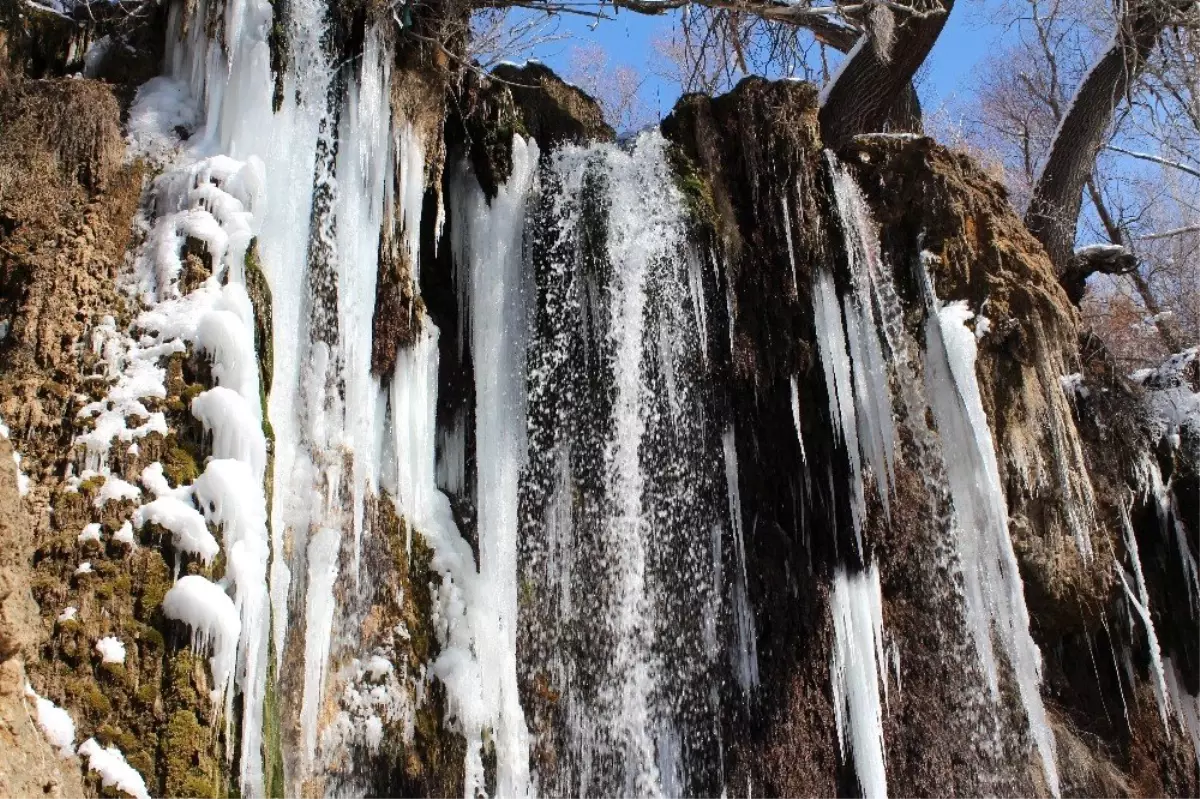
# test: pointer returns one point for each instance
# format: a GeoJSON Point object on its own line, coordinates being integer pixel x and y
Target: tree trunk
{"type": "Point", "coordinates": [1058, 195]}
{"type": "Point", "coordinates": [863, 96]}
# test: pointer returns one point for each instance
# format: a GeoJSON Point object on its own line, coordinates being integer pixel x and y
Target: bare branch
{"type": "Point", "coordinates": [1156, 160]}
{"type": "Point", "coordinates": [1168, 234]}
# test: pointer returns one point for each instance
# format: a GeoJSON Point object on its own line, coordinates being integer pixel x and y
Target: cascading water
{"type": "Point", "coordinates": [624, 507]}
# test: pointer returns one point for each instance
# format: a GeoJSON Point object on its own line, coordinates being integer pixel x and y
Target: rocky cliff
{"type": "Point", "coordinates": [709, 462]}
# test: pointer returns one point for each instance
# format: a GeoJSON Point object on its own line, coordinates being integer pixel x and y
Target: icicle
{"type": "Point", "coordinates": [1187, 706]}
{"type": "Point", "coordinates": [857, 666]}
{"type": "Point", "coordinates": [745, 638]}
{"type": "Point", "coordinates": [796, 421]}
{"type": "Point", "coordinates": [1141, 603]}
{"type": "Point", "coordinates": [498, 343]}
{"type": "Point", "coordinates": [831, 342]}
{"type": "Point", "coordinates": [995, 597]}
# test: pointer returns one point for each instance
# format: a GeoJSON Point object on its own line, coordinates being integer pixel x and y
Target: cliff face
{"type": "Point", "coordinates": [709, 462]}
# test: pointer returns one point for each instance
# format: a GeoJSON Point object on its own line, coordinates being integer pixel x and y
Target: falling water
{"type": "Point", "coordinates": [622, 560]}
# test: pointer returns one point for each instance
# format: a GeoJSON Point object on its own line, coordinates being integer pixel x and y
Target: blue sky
{"type": "Point", "coordinates": [963, 45]}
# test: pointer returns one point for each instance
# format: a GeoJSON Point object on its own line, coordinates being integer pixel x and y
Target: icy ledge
{"type": "Point", "coordinates": [210, 201]}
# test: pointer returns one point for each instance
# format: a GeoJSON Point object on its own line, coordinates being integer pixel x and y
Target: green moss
{"type": "Point", "coordinates": [89, 696]}
{"type": "Point", "coordinates": [140, 760]}
{"type": "Point", "coordinates": [149, 637]}
{"type": "Point", "coordinates": [115, 672]}
{"type": "Point", "coordinates": [69, 627]}
{"type": "Point", "coordinates": [104, 591]}
{"type": "Point", "coordinates": [189, 767]}
{"type": "Point", "coordinates": [180, 690]}
{"type": "Point", "coordinates": [123, 584]}
{"type": "Point", "coordinates": [179, 466]}
{"type": "Point", "coordinates": [90, 486]}
{"type": "Point", "coordinates": [696, 190]}
{"type": "Point", "coordinates": [155, 582]}
{"type": "Point", "coordinates": [147, 695]}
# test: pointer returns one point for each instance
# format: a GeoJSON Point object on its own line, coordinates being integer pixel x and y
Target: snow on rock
{"type": "Point", "coordinates": [22, 478]}
{"type": "Point", "coordinates": [68, 614]}
{"type": "Point", "coordinates": [161, 107]}
{"type": "Point", "coordinates": [56, 723]}
{"type": "Point", "coordinates": [111, 650]}
{"type": "Point", "coordinates": [84, 568]}
{"type": "Point", "coordinates": [1174, 406]}
{"type": "Point", "coordinates": [114, 772]}
{"type": "Point", "coordinates": [235, 427]}
{"type": "Point", "coordinates": [188, 531]}
{"type": "Point", "coordinates": [115, 488]}
{"type": "Point", "coordinates": [207, 609]}
{"type": "Point", "coordinates": [90, 533]}
{"type": "Point", "coordinates": [125, 535]}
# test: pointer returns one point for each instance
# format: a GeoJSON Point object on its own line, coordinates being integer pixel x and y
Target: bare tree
{"type": "Point", "coordinates": [1084, 124]}
{"type": "Point", "coordinates": [616, 88]}
{"type": "Point", "coordinates": [1135, 212]}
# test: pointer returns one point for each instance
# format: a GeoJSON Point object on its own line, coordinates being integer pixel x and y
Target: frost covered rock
{"type": "Point", "coordinates": [114, 771]}
{"type": "Point", "coordinates": [111, 650]}
{"type": "Point", "coordinates": [56, 723]}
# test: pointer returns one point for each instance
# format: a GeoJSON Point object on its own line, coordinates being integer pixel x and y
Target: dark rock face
{"type": "Point", "coordinates": [1068, 469]}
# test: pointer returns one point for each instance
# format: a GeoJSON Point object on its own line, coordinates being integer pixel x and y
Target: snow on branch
{"type": "Point", "coordinates": [1156, 159]}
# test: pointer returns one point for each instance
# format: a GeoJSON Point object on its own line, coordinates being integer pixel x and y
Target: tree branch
{"type": "Point", "coordinates": [1155, 159]}
{"type": "Point", "coordinates": [1167, 234]}
{"type": "Point", "coordinates": [1058, 193]}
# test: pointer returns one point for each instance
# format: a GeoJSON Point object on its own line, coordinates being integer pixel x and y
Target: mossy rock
{"type": "Point", "coordinates": [259, 291]}
{"type": "Point", "coordinates": [179, 464]}
{"type": "Point", "coordinates": [87, 695]}
{"type": "Point", "coordinates": [188, 765]}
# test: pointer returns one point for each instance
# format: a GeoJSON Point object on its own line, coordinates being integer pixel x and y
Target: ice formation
{"type": "Point", "coordinates": [995, 597]}
{"type": "Point", "coordinates": [1140, 601]}
{"type": "Point", "coordinates": [746, 639]}
{"type": "Point", "coordinates": [207, 609]}
{"type": "Point", "coordinates": [111, 650]}
{"type": "Point", "coordinates": [188, 531]}
{"type": "Point", "coordinates": [109, 763]}
{"type": "Point", "coordinates": [857, 667]}
{"type": "Point", "coordinates": [489, 253]}
{"type": "Point", "coordinates": [57, 725]}
{"type": "Point", "coordinates": [848, 338]}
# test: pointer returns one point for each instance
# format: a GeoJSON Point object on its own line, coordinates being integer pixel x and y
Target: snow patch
{"type": "Point", "coordinates": [56, 723]}
{"type": "Point", "coordinates": [111, 650]}
{"type": "Point", "coordinates": [114, 772]}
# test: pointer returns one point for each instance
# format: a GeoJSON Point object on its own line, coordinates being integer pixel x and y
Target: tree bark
{"type": "Point", "coordinates": [904, 112]}
{"type": "Point", "coordinates": [1058, 195]}
{"type": "Point", "coordinates": [863, 95]}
